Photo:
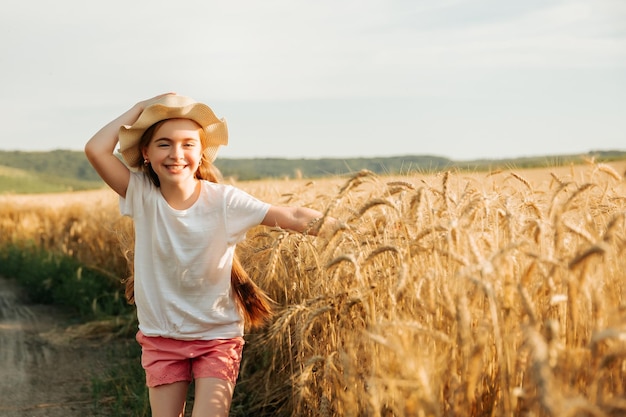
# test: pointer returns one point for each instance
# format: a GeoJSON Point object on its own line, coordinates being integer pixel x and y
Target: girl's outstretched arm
{"type": "Point", "coordinates": [101, 147]}
{"type": "Point", "coordinates": [299, 219]}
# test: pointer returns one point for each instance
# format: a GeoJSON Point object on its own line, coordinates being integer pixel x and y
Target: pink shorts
{"type": "Point", "coordinates": [170, 360]}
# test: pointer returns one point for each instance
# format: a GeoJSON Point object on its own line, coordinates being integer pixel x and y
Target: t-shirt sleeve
{"type": "Point", "coordinates": [243, 212]}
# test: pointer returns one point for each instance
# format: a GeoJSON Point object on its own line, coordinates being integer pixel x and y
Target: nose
{"type": "Point", "coordinates": [176, 152]}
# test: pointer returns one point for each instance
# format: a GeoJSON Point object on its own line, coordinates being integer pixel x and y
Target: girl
{"type": "Point", "coordinates": [191, 294]}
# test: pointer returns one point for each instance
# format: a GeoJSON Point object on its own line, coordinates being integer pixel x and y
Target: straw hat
{"type": "Point", "coordinates": [173, 107]}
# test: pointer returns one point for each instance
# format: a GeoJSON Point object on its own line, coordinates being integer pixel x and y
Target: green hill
{"type": "Point", "coordinates": [63, 170]}
{"type": "Point", "coordinates": [20, 181]}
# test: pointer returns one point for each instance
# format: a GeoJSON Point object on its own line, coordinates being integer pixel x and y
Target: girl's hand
{"type": "Point", "coordinates": [148, 102]}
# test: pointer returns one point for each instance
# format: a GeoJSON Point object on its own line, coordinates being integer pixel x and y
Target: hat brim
{"type": "Point", "coordinates": [173, 107]}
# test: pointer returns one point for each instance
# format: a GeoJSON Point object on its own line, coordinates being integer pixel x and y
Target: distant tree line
{"type": "Point", "coordinates": [253, 169]}
{"type": "Point", "coordinates": [74, 165]}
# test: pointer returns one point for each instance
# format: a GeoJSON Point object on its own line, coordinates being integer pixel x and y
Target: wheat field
{"type": "Point", "coordinates": [448, 294]}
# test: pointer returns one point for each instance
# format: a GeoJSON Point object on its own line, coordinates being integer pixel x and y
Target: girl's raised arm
{"type": "Point", "coordinates": [101, 147]}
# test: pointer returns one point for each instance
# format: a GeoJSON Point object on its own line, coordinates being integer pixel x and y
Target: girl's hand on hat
{"type": "Point", "coordinates": [145, 103]}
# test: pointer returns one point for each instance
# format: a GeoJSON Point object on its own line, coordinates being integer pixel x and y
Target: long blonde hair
{"type": "Point", "coordinates": [255, 305]}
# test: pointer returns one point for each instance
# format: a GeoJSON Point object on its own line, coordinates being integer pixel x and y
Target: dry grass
{"type": "Point", "coordinates": [84, 225]}
{"type": "Point", "coordinates": [497, 294]}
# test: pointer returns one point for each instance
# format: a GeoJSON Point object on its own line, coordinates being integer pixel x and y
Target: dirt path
{"type": "Point", "coordinates": [39, 377]}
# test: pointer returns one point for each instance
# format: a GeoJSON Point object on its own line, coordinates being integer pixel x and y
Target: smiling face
{"type": "Point", "coordinates": [174, 151]}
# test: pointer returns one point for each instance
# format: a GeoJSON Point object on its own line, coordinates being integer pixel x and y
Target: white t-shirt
{"type": "Point", "coordinates": [183, 259]}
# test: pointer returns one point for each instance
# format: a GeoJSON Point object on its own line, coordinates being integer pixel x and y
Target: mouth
{"type": "Point", "coordinates": [175, 168]}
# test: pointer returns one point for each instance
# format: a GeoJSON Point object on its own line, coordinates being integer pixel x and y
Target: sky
{"type": "Point", "coordinates": [462, 79]}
